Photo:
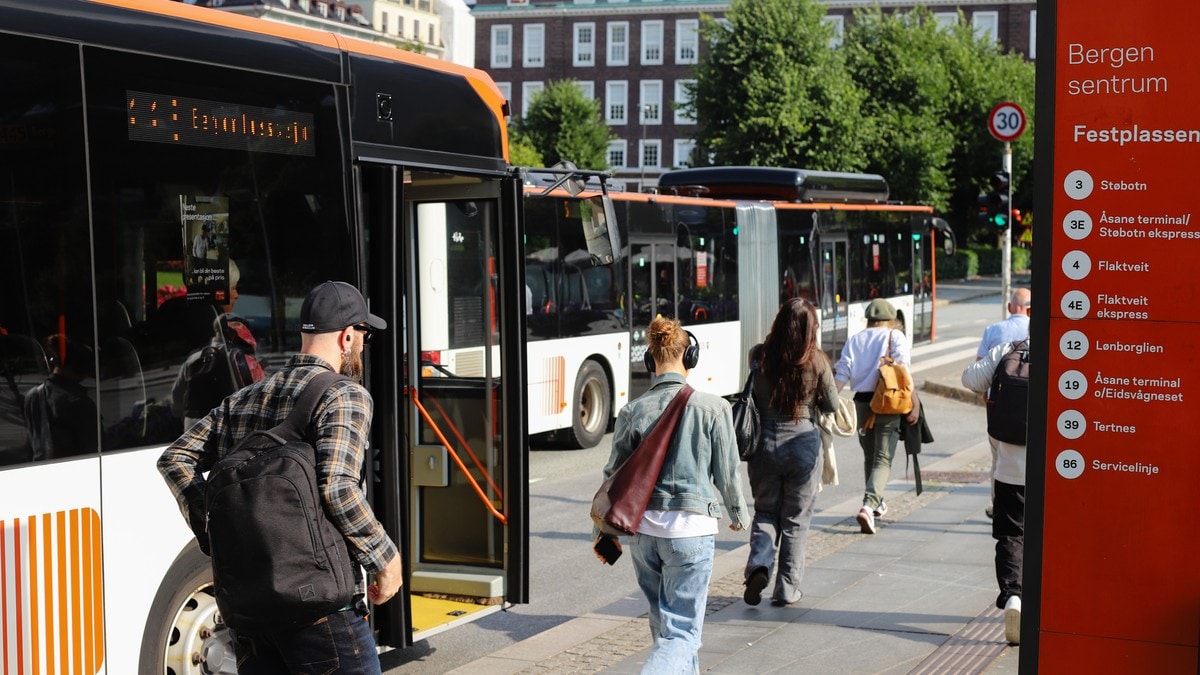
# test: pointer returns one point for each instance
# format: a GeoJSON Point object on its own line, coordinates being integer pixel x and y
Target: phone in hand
{"type": "Point", "coordinates": [608, 549]}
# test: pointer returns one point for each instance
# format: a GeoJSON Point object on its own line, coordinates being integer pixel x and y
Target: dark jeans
{"type": "Point", "coordinates": [339, 643]}
{"type": "Point", "coordinates": [1008, 529]}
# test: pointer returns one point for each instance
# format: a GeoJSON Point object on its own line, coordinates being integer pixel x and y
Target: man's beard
{"type": "Point", "coordinates": [352, 364]}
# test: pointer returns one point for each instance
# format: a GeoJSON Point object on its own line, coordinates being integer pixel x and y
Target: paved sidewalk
{"type": "Point", "coordinates": [917, 597]}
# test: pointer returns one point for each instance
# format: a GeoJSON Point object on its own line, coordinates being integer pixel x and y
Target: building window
{"type": "Point", "coordinates": [400, 26]}
{"type": "Point", "coordinates": [587, 88]}
{"type": "Point", "coordinates": [585, 45]}
{"type": "Point", "coordinates": [505, 90]}
{"type": "Point", "coordinates": [651, 153]}
{"type": "Point", "coordinates": [528, 91]}
{"type": "Point", "coordinates": [616, 154]}
{"type": "Point", "coordinates": [652, 43]}
{"type": "Point", "coordinates": [383, 22]}
{"type": "Point", "coordinates": [1033, 35]}
{"type": "Point", "coordinates": [618, 43]}
{"type": "Point", "coordinates": [535, 43]}
{"type": "Point", "coordinates": [431, 36]}
{"type": "Point", "coordinates": [650, 109]}
{"type": "Point", "coordinates": [616, 100]}
{"type": "Point", "coordinates": [986, 25]}
{"type": "Point", "coordinates": [687, 41]}
{"type": "Point", "coordinates": [946, 20]}
{"type": "Point", "coordinates": [838, 23]}
{"type": "Point", "coordinates": [501, 46]}
{"type": "Point", "coordinates": [683, 152]}
{"type": "Point", "coordinates": [416, 30]}
{"type": "Point", "coordinates": [683, 95]}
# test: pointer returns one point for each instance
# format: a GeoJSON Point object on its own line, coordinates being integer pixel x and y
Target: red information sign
{"type": "Point", "coordinates": [1118, 589]}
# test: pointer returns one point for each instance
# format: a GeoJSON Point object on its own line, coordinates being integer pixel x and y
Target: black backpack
{"type": "Point", "coordinates": [277, 559]}
{"type": "Point", "coordinates": [1008, 398]}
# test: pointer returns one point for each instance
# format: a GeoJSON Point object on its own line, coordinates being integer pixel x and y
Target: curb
{"type": "Point", "coordinates": [957, 393]}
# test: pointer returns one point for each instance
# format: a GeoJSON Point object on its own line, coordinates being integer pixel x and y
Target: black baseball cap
{"type": "Point", "coordinates": [335, 305]}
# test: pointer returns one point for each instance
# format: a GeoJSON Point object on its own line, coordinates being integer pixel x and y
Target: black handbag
{"type": "Point", "coordinates": [619, 504]}
{"type": "Point", "coordinates": [746, 425]}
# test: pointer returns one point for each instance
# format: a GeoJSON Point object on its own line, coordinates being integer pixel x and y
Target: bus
{"type": "Point", "coordinates": [174, 175]}
{"type": "Point", "coordinates": [720, 249]}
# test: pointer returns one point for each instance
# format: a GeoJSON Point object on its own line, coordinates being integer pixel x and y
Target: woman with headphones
{"type": "Point", "coordinates": [793, 385]}
{"type": "Point", "coordinates": [673, 548]}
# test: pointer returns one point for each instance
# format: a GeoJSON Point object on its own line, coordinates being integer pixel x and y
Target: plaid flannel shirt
{"type": "Point", "coordinates": [342, 423]}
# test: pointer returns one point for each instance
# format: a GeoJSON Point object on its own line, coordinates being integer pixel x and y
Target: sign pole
{"type": "Point", "coordinates": [1006, 245]}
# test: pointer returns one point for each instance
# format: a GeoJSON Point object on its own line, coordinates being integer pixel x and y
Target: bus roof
{"type": "Point", "coordinates": [420, 88]}
{"type": "Point", "coordinates": [777, 184]}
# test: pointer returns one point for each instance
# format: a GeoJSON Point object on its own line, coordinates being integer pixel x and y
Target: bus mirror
{"type": "Point", "coordinates": [939, 225]}
{"type": "Point", "coordinates": [573, 183]}
{"type": "Point", "coordinates": [599, 231]}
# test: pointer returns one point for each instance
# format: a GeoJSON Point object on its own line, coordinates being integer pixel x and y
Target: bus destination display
{"type": "Point", "coordinates": [159, 118]}
{"type": "Point", "coordinates": [1124, 313]}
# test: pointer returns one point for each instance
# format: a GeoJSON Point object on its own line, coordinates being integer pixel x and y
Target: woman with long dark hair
{"type": "Point", "coordinates": [792, 386]}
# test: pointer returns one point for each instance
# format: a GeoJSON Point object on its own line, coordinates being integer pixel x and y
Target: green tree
{"type": "Point", "coordinates": [521, 151]}
{"type": "Point", "coordinates": [929, 89]}
{"type": "Point", "coordinates": [563, 124]}
{"type": "Point", "coordinates": [771, 92]}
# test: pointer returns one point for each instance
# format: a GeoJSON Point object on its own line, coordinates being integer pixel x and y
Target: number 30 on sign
{"type": "Point", "coordinates": [1006, 121]}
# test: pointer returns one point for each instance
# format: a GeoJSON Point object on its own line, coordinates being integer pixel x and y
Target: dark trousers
{"type": "Point", "coordinates": [339, 643]}
{"type": "Point", "coordinates": [1008, 529]}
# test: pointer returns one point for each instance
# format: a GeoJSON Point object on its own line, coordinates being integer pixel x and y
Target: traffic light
{"type": "Point", "coordinates": [998, 214]}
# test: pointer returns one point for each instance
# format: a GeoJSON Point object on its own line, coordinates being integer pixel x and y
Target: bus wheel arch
{"type": "Point", "coordinates": [182, 616]}
{"type": "Point", "coordinates": [591, 405]}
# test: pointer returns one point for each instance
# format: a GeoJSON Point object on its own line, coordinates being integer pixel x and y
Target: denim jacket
{"type": "Point", "coordinates": [702, 451]}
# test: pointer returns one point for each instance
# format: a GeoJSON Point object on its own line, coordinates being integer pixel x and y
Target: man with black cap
{"type": "Point", "coordinates": [859, 367]}
{"type": "Point", "coordinates": [335, 326]}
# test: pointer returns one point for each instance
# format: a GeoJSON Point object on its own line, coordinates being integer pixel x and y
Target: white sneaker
{"type": "Point", "coordinates": [1012, 620]}
{"type": "Point", "coordinates": [881, 510]}
{"type": "Point", "coordinates": [866, 520]}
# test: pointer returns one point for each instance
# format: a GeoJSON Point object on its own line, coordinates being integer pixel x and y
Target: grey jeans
{"type": "Point", "coordinates": [785, 475]}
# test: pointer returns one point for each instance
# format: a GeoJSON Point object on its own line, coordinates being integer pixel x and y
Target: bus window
{"type": "Point", "coordinates": [707, 250]}
{"type": "Point", "coordinates": [207, 257]}
{"type": "Point", "coordinates": [47, 347]}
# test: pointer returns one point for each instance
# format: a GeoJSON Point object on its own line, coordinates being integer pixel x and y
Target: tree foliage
{"type": "Point", "coordinates": [903, 96]}
{"type": "Point", "coordinates": [563, 124]}
{"type": "Point", "coordinates": [521, 151]}
{"type": "Point", "coordinates": [773, 93]}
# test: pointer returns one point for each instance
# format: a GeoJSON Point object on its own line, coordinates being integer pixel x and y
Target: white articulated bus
{"type": "Point", "coordinates": [720, 249]}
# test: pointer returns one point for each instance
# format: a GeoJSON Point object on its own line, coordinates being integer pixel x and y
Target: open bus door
{"type": "Point", "coordinates": [449, 430]}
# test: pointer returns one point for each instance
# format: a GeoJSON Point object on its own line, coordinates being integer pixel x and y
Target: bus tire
{"type": "Point", "coordinates": [182, 616]}
{"type": "Point", "coordinates": [592, 406]}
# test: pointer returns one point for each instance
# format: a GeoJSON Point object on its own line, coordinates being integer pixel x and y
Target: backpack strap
{"type": "Point", "coordinates": [297, 420]}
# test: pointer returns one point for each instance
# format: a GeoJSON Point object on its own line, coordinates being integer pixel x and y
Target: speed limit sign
{"type": "Point", "coordinates": [1006, 121]}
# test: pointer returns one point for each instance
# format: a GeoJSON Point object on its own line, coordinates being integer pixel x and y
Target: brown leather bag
{"type": "Point", "coordinates": [621, 500]}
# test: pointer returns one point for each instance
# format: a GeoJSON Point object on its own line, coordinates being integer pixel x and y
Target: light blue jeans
{"type": "Point", "coordinates": [674, 576]}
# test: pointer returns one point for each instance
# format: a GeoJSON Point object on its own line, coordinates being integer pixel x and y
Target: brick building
{"type": "Point", "coordinates": [635, 57]}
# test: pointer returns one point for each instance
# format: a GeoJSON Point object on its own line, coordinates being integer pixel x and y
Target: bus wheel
{"type": "Point", "coordinates": [182, 618]}
{"type": "Point", "coordinates": [592, 406]}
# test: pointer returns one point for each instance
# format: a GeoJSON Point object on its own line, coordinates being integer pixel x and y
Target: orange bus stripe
{"type": "Point", "coordinates": [48, 587]}
{"type": "Point", "coordinates": [3, 594]}
{"type": "Point", "coordinates": [77, 593]}
{"type": "Point", "coordinates": [64, 550]}
{"type": "Point", "coordinates": [88, 585]}
{"type": "Point", "coordinates": [97, 594]}
{"type": "Point", "coordinates": [34, 614]}
{"type": "Point", "coordinates": [17, 593]}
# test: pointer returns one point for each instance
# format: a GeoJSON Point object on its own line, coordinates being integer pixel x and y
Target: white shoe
{"type": "Point", "coordinates": [866, 520]}
{"type": "Point", "coordinates": [881, 510]}
{"type": "Point", "coordinates": [1012, 620]}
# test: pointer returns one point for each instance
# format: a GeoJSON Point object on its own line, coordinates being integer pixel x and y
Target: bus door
{"type": "Point", "coordinates": [449, 430]}
{"type": "Point", "coordinates": [833, 296]}
{"type": "Point", "coordinates": [653, 272]}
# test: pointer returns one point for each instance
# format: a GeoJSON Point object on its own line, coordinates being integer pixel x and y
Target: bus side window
{"type": "Point", "coordinates": [47, 347]}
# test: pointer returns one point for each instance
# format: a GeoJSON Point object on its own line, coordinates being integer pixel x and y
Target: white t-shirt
{"type": "Point", "coordinates": [676, 524]}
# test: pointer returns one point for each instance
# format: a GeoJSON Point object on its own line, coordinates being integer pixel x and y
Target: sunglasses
{"type": "Point", "coordinates": [367, 332]}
